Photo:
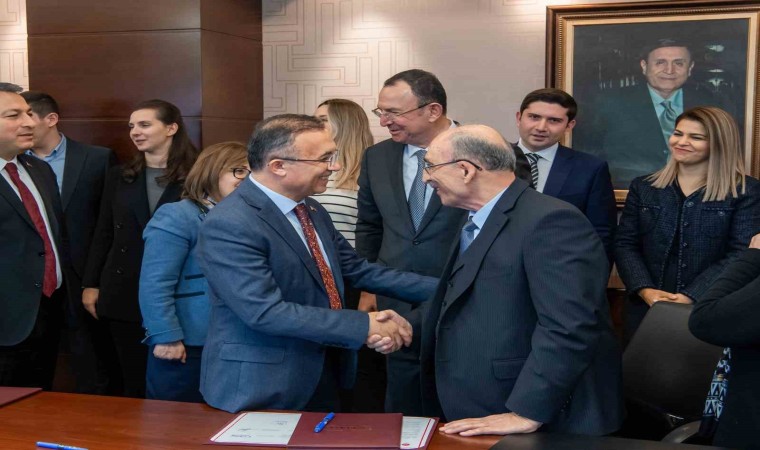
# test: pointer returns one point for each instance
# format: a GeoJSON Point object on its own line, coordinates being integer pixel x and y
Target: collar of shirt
{"type": "Point", "coordinates": [58, 152]}
{"type": "Point", "coordinates": [548, 153]}
{"type": "Point", "coordinates": [283, 203]}
{"type": "Point", "coordinates": [676, 100]}
{"type": "Point", "coordinates": [3, 163]}
{"type": "Point", "coordinates": [480, 216]}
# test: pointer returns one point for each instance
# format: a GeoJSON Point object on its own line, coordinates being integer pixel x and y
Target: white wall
{"type": "Point", "coordinates": [13, 48]}
{"type": "Point", "coordinates": [487, 53]}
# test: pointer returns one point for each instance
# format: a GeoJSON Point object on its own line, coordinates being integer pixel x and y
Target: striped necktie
{"type": "Point", "coordinates": [533, 159]}
{"type": "Point", "coordinates": [417, 192]}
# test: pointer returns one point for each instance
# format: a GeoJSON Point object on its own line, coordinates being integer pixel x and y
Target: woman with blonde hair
{"type": "Point", "coordinates": [683, 224]}
{"type": "Point", "coordinates": [173, 291]}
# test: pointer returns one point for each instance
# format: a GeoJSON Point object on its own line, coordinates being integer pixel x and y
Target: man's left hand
{"type": "Point", "coordinates": [508, 423]}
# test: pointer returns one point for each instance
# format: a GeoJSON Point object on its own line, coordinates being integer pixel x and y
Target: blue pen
{"type": "Point", "coordinates": [321, 425]}
{"type": "Point", "coordinates": [58, 446]}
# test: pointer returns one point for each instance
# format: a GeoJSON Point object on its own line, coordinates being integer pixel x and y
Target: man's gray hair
{"type": "Point", "coordinates": [489, 155]}
{"type": "Point", "coordinates": [276, 135]}
{"type": "Point", "coordinates": [10, 87]}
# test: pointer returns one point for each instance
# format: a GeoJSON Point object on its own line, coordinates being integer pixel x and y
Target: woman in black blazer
{"type": "Point", "coordinates": [729, 315]}
{"type": "Point", "coordinates": [131, 194]}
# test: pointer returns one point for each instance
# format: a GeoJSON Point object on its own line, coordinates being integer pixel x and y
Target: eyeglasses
{"type": "Point", "coordinates": [429, 167]}
{"type": "Point", "coordinates": [240, 172]}
{"type": "Point", "coordinates": [330, 159]}
{"type": "Point", "coordinates": [393, 115]}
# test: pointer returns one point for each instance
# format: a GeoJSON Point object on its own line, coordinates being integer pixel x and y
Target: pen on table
{"type": "Point", "coordinates": [321, 425]}
{"type": "Point", "coordinates": [58, 446]}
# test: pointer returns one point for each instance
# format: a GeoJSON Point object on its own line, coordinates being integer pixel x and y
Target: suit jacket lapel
{"type": "Point", "coordinates": [327, 242]}
{"type": "Point", "coordinates": [396, 174]}
{"type": "Point", "coordinates": [561, 167]}
{"type": "Point", "coordinates": [468, 265]}
{"type": "Point", "coordinates": [139, 198]}
{"type": "Point", "coordinates": [7, 192]}
{"type": "Point", "coordinates": [72, 168]}
{"type": "Point", "coordinates": [430, 211]}
{"type": "Point", "coordinates": [272, 216]}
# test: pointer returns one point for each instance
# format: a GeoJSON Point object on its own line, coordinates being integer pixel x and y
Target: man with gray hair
{"type": "Point", "coordinates": [518, 336]}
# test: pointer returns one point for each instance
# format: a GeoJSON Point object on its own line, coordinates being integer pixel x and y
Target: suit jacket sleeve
{"type": "Point", "coordinates": [234, 255]}
{"type": "Point", "coordinates": [167, 247]}
{"type": "Point", "coordinates": [601, 208]}
{"type": "Point", "coordinates": [729, 312]}
{"type": "Point", "coordinates": [103, 237]}
{"type": "Point", "coordinates": [369, 222]}
{"type": "Point", "coordinates": [567, 277]}
{"type": "Point", "coordinates": [630, 261]}
{"type": "Point", "coordinates": [744, 224]}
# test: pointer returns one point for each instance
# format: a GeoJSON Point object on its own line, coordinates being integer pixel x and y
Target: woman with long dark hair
{"type": "Point", "coordinates": [131, 194]}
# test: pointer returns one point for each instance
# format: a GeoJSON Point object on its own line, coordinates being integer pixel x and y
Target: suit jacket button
{"type": "Point", "coordinates": [451, 283]}
{"type": "Point", "coordinates": [119, 271]}
{"type": "Point", "coordinates": [41, 254]}
{"type": "Point", "coordinates": [119, 226]}
{"type": "Point", "coordinates": [415, 242]}
{"type": "Point", "coordinates": [38, 285]}
{"type": "Point", "coordinates": [124, 249]}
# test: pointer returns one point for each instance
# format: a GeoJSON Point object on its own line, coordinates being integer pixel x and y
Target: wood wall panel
{"type": "Point", "coordinates": [235, 17]}
{"type": "Point", "coordinates": [88, 16]}
{"type": "Point", "coordinates": [232, 76]}
{"type": "Point", "coordinates": [220, 130]}
{"type": "Point", "coordinates": [104, 75]}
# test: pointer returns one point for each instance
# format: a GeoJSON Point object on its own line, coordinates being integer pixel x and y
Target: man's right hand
{"type": "Point", "coordinates": [388, 331]}
{"type": "Point", "coordinates": [652, 296]}
{"type": "Point", "coordinates": [90, 300]}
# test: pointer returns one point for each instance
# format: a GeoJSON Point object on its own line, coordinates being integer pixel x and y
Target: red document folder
{"type": "Point", "coordinates": [348, 431]}
{"type": "Point", "coordinates": [11, 394]}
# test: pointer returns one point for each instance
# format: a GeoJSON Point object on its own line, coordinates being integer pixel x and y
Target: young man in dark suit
{"type": "Point", "coordinates": [33, 257]}
{"type": "Point", "coordinates": [578, 178]}
{"type": "Point", "coordinates": [80, 170]}
{"type": "Point", "coordinates": [518, 335]}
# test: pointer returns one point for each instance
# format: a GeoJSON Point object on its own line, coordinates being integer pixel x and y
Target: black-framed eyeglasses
{"type": "Point", "coordinates": [429, 167]}
{"type": "Point", "coordinates": [330, 159]}
{"type": "Point", "coordinates": [240, 172]}
{"type": "Point", "coordinates": [393, 115]}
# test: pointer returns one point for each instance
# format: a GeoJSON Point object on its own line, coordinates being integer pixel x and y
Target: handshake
{"type": "Point", "coordinates": [388, 331]}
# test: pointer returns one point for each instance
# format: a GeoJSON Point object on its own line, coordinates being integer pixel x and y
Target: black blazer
{"type": "Point", "coordinates": [520, 322]}
{"type": "Point", "coordinates": [84, 175]}
{"type": "Point", "coordinates": [22, 264]}
{"type": "Point", "coordinates": [729, 315]}
{"type": "Point", "coordinates": [113, 264]}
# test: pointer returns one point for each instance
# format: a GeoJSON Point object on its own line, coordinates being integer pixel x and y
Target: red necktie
{"type": "Point", "coordinates": [51, 278]}
{"type": "Point", "coordinates": [316, 254]}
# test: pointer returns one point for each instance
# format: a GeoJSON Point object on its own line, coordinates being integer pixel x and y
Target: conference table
{"type": "Point", "coordinates": [114, 423]}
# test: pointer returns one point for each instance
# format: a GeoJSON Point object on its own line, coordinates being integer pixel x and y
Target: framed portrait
{"type": "Point", "coordinates": [633, 67]}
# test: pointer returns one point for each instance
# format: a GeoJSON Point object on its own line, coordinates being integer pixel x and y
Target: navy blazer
{"type": "Point", "coordinates": [22, 264]}
{"type": "Point", "coordinates": [520, 322]}
{"type": "Point", "coordinates": [270, 315]}
{"type": "Point", "coordinates": [173, 291]}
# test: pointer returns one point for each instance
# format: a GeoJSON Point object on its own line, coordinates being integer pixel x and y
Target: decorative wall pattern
{"type": "Point", "coordinates": [13, 46]}
{"type": "Point", "coordinates": [487, 53]}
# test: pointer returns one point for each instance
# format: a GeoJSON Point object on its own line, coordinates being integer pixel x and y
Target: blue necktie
{"type": "Point", "coordinates": [667, 119]}
{"type": "Point", "coordinates": [467, 236]}
{"type": "Point", "coordinates": [417, 192]}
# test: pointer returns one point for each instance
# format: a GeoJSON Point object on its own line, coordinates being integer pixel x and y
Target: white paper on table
{"type": "Point", "coordinates": [259, 428]}
{"type": "Point", "coordinates": [415, 431]}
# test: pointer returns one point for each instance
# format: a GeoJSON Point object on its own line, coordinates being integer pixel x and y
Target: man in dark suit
{"type": "Point", "coordinates": [630, 127]}
{"type": "Point", "coordinates": [578, 178]}
{"type": "Point", "coordinates": [31, 275]}
{"type": "Point", "coordinates": [518, 335]}
{"type": "Point", "coordinates": [280, 336]}
{"type": "Point", "coordinates": [80, 170]}
{"type": "Point", "coordinates": [401, 222]}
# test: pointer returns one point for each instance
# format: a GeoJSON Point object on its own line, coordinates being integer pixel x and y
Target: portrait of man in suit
{"type": "Point", "coordinates": [33, 255]}
{"type": "Point", "coordinates": [578, 178]}
{"type": "Point", "coordinates": [518, 335]}
{"type": "Point", "coordinates": [280, 336]}
{"type": "Point", "coordinates": [81, 171]}
{"type": "Point", "coordinates": [632, 80]}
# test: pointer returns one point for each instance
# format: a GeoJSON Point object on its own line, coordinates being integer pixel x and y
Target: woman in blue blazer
{"type": "Point", "coordinates": [173, 291]}
{"type": "Point", "coordinates": [683, 224]}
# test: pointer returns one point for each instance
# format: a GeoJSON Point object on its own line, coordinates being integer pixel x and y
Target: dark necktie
{"type": "Point", "coordinates": [533, 160]}
{"type": "Point", "coordinates": [417, 192]}
{"type": "Point", "coordinates": [50, 279]}
{"type": "Point", "coordinates": [316, 255]}
{"type": "Point", "coordinates": [467, 236]}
